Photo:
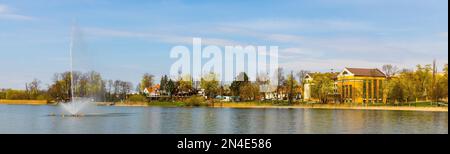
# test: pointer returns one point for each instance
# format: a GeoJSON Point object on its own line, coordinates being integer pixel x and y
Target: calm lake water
{"type": "Point", "coordinates": [36, 119]}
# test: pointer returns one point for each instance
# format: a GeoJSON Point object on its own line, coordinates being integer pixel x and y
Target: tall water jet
{"type": "Point", "coordinates": [80, 96]}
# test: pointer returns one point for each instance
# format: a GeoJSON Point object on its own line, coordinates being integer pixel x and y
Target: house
{"type": "Point", "coordinates": [269, 92]}
{"type": "Point", "coordinates": [361, 85]}
{"type": "Point", "coordinates": [154, 91]}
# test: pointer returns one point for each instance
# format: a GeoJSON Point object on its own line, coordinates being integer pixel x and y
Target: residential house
{"type": "Point", "coordinates": [154, 91]}
{"type": "Point", "coordinates": [269, 92]}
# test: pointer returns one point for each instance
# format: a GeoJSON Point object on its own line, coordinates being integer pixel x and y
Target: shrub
{"type": "Point", "coordinates": [137, 98]}
{"type": "Point", "coordinates": [2, 95]}
{"type": "Point", "coordinates": [195, 101]}
{"type": "Point", "coordinates": [16, 95]}
{"type": "Point", "coordinates": [42, 97]}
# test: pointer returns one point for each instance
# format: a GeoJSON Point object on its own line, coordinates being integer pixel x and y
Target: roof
{"type": "Point", "coordinates": [366, 72]}
{"type": "Point", "coordinates": [333, 75]}
{"type": "Point", "coordinates": [153, 89]}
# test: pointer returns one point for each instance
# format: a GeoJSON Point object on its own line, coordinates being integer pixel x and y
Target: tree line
{"type": "Point", "coordinates": [401, 86]}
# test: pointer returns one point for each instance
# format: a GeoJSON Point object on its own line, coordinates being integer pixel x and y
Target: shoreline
{"type": "Point", "coordinates": [339, 107]}
{"type": "Point", "coordinates": [23, 102]}
{"type": "Point", "coordinates": [247, 106]}
{"type": "Point", "coordinates": [301, 106]}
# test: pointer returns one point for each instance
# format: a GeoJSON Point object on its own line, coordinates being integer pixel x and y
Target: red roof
{"type": "Point", "coordinates": [366, 72]}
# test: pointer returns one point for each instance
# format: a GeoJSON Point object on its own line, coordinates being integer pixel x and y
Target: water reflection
{"type": "Point", "coordinates": [155, 120]}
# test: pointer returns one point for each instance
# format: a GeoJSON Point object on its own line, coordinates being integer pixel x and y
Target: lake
{"type": "Point", "coordinates": [160, 120]}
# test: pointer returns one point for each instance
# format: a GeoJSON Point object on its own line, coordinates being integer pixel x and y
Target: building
{"type": "Point", "coordinates": [360, 85]}
{"type": "Point", "coordinates": [269, 92]}
{"type": "Point", "coordinates": [153, 91]}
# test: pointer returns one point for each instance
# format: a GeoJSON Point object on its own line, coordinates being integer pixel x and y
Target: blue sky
{"type": "Point", "coordinates": [129, 38]}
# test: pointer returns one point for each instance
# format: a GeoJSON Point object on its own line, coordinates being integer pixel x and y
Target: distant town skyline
{"type": "Point", "coordinates": [127, 39]}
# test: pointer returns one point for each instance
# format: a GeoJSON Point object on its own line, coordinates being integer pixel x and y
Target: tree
{"type": "Point", "coordinates": [291, 86]}
{"type": "Point", "coordinates": [109, 90]}
{"type": "Point", "coordinates": [423, 82]}
{"type": "Point", "coordinates": [33, 89]}
{"type": "Point", "coordinates": [147, 81]}
{"type": "Point", "coordinates": [185, 84]}
{"type": "Point", "coordinates": [170, 88]}
{"type": "Point", "coordinates": [322, 87]}
{"type": "Point", "coordinates": [390, 70]}
{"type": "Point", "coordinates": [241, 80]}
{"type": "Point", "coordinates": [396, 92]}
{"type": "Point", "coordinates": [163, 84]}
{"type": "Point", "coordinates": [16, 94]}
{"type": "Point", "coordinates": [249, 92]}
{"type": "Point", "coordinates": [281, 79]}
{"type": "Point", "coordinates": [210, 84]}
{"type": "Point", "coordinates": [441, 85]}
{"type": "Point", "coordinates": [408, 85]}
{"type": "Point", "coordinates": [263, 81]}
{"type": "Point", "coordinates": [138, 89]}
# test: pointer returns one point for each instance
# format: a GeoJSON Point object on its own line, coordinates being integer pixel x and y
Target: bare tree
{"type": "Point", "coordinates": [390, 70]}
{"type": "Point", "coordinates": [280, 78]}
{"type": "Point", "coordinates": [301, 75]}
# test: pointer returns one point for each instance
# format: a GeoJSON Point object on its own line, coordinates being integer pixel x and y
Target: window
{"type": "Point", "coordinates": [370, 89]}
{"type": "Point", "coordinates": [375, 90]}
{"type": "Point", "coordinates": [364, 88]}
{"type": "Point", "coordinates": [380, 86]}
{"type": "Point", "coordinates": [351, 91]}
{"type": "Point", "coordinates": [347, 91]}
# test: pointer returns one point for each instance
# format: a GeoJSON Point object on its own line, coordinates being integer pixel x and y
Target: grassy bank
{"type": "Point", "coordinates": [148, 104]}
{"type": "Point", "coordinates": [422, 106]}
{"type": "Point", "coordinates": [23, 102]}
{"type": "Point", "coordinates": [333, 106]}
{"type": "Point", "coordinates": [278, 105]}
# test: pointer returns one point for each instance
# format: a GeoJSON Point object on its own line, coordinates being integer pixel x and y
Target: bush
{"type": "Point", "coordinates": [137, 98]}
{"type": "Point", "coordinates": [42, 97]}
{"type": "Point", "coordinates": [195, 101]}
{"type": "Point", "coordinates": [2, 95]}
{"type": "Point", "coordinates": [16, 95]}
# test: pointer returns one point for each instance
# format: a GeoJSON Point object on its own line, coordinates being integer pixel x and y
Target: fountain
{"type": "Point", "coordinates": [76, 104]}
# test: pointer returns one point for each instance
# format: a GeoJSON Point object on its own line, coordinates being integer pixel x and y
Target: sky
{"type": "Point", "coordinates": [125, 39]}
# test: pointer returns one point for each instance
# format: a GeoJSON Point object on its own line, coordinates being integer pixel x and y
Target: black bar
{"type": "Point", "coordinates": [279, 143]}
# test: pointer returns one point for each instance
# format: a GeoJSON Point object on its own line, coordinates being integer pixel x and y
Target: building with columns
{"type": "Point", "coordinates": [361, 85]}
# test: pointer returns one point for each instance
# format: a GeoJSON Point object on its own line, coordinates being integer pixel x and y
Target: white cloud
{"type": "Point", "coordinates": [7, 13]}
{"type": "Point", "coordinates": [317, 53]}
{"type": "Point", "coordinates": [301, 25]}
{"type": "Point", "coordinates": [175, 39]}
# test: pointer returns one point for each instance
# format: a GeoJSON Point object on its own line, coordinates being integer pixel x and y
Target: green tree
{"type": "Point", "coordinates": [291, 85]}
{"type": "Point", "coordinates": [396, 92]}
{"type": "Point", "coordinates": [408, 85]}
{"type": "Point", "coordinates": [170, 88]}
{"type": "Point", "coordinates": [249, 92]}
{"type": "Point", "coordinates": [241, 80]}
{"type": "Point", "coordinates": [185, 85]}
{"type": "Point", "coordinates": [423, 82]}
{"type": "Point", "coordinates": [147, 81]}
{"type": "Point", "coordinates": [322, 87]}
{"type": "Point", "coordinates": [163, 84]}
{"type": "Point", "coordinates": [210, 84]}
